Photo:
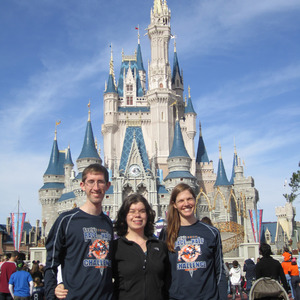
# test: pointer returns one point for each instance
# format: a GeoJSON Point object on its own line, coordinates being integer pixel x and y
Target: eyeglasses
{"type": "Point", "coordinates": [134, 212]}
{"type": "Point", "coordinates": [91, 183]}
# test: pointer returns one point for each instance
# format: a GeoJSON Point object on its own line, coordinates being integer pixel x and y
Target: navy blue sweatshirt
{"type": "Point", "coordinates": [197, 269]}
{"type": "Point", "coordinates": [81, 244]}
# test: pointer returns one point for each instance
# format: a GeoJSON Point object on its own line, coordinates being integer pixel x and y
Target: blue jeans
{"type": "Point", "coordinates": [289, 280]}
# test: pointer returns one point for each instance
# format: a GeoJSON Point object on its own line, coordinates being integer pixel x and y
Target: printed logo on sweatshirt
{"type": "Point", "coordinates": [189, 250]}
{"type": "Point", "coordinates": [99, 248]}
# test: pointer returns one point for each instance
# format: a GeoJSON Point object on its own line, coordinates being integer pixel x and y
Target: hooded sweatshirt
{"type": "Point", "coordinates": [249, 268]}
{"type": "Point", "coordinates": [286, 264]}
{"type": "Point", "coordinates": [235, 275]}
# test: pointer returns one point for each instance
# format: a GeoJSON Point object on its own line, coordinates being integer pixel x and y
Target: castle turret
{"type": "Point", "coordinates": [204, 168]}
{"type": "Point", "coordinates": [89, 152]}
{"type": "Point", "coordinates": [221, 174]}
{"type": "Point", "coordinates": [68, 168]}
{"type": "Point", "coordinates": [179, 162]}
{"type": "Point", "coordinates": [140, 65]}
{"type": "Point", "coordinates": [54, 180]}
{"type": "Point", "coordinates": [177, 79]}
{"type": "Point", "coordinates": [234, 164]}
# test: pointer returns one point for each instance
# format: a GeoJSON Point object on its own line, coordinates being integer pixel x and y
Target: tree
{"type": "Point", "coordinates": [295, 185]}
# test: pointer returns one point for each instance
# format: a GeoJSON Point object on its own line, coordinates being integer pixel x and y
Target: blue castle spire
{"type": "Point", "coordinates": [178, 148]}
{"type": "Point", "coordinates": [234, 164]}
{"type": "Point", "coordinates": [55, 166]}
{"type": "Point", "coordinates": [111, 86]}
{"type": "Point", "coordinates": [202, 156]}
{"type": "Point", "coordinates": [176, 69]}
{"type": "Point", "coordinates": [89, 149]}
{"type": "Point", "coordinates": [68, 160]}
{"type": "Point", "coordinates": [221, 175]}
{"type": "Point", "coordinates": [189, 109]}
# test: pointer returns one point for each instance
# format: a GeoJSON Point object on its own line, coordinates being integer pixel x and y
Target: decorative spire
{"type": "Point", "coordinates": [89, 113]}
{"type": "Point", "coordinates": [189, 91]}
{"type": "Point", "coordinates": [55, 132]}
{"type": "Point", "coordinates": [157, 8]}
{"type": "Point", "coordinates": [111, 84]}
{"type": "Point", "coordinates": [189, 107]}
{"type": "Point", "coordinates": [234, 164]}
{"type": "Point", "coordinates": [68, 160]}
{"type": "Point", "coordinates": [178, 148]}
{"type": "Point", "coordinates": [221, 174]}
{"type": "Point", "coordinates": [138, 29]}
{"type": "Point", "coordinates": [202, 156]}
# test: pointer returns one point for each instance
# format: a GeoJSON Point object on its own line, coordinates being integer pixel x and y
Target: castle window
{"type": "Point", "coordinates": [129, 100]}
{"type": "Point", "coordinates": [129, 87]}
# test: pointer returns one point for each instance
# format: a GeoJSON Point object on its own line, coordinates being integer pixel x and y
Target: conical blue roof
{"type": "Point", "coordinates": [221, 175]}
{"type": "Point", "coordinates": [178, 148]}
{"type": "Point", "coordinates": [202, 156]}
{"type": "Point", "coordinates": [189, 108]}
{"type": "Point", "coordinates": [68, 160]}
{"type": "Point", "coordinates": [111, 88]}
{"type": "Point", "coordinates": [234, 164]}
{"type": "Point", "coordinates": [176, 69]}
{"type": "Point", "coordinates": [55, 166]}
{"type": "Point", "coordinates": [139, 59]}
{"type": "Point", "coordinates": [88, 149]}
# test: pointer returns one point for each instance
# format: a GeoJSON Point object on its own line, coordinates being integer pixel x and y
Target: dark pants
{"type": "Point", "coordinates": [296, 288]}
{"type": "Point", "coordinates": [5, 296]}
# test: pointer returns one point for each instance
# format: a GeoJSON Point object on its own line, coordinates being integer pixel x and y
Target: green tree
{"type": "Point", "coordinates": [294, 184]}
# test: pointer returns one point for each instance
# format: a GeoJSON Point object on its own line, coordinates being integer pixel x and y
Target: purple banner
{"type": "Point", "coordinates": [17, 228]}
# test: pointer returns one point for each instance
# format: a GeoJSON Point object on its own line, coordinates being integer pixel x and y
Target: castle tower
{"type": "Point", "coordinates": [89, 154]}
{"type": "Point", "coordinates": [179, 163]}
{"type": "Point", "coordinates": [68, 169]}
{"type": "Point", "coordinates": [110, 124]}
{"type": "Point", "coordinates": [204, 167]}
{"type": "Point", "coordinates": [188, 124]}
{"type": "Point", "coordinates": [53, 186]}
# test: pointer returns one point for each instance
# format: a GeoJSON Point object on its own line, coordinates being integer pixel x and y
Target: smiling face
{"type": "Point", "coordinates": [185, 205]}
{"type": "Point", "coordinates": [136, 218]}
{"type": "Point", "coordinates": [95, 187]}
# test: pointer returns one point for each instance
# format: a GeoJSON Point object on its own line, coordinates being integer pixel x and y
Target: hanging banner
{"type": "Point", "coordinates": [256, 221]}
{"type": "Point", "coordinates": [17, 228]}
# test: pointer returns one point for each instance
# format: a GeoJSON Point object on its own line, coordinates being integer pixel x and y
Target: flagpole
{"type": "Point", "coordinates": [17, 243]}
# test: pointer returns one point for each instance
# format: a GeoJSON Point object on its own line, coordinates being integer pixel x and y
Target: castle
{"type": "Point", "coordinates": [149, 134]}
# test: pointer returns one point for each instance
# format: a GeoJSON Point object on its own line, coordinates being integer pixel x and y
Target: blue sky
{"type": "Point", "coordinates": [240, 58]}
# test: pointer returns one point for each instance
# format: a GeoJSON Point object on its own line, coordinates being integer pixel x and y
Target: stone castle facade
{"type": "Point", "coordinates": [149, 134]}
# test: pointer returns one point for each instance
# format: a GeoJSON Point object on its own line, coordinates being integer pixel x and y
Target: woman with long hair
{"type": "Point", "coordinates": [195, 251]}
{"type": "Point", "coordinates": [140, 261]}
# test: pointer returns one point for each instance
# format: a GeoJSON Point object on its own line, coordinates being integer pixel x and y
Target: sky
{"type": "Point", "coordinates": [241, 60]}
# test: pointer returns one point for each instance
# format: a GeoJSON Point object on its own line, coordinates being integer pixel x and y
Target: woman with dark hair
{"type": "Point", "coordinates": [195, 251]}
{"type": "Point", "coordinates": [269, 267]}
{"type": "Point", "coordinates": [140, 261]}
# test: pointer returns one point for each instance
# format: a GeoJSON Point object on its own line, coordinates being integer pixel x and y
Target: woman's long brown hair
{"type": "Point", "coordinates": [173, 218]}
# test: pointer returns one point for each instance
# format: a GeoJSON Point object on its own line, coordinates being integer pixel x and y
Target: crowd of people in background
{"type": "Point", "coordinates": [89, 257]}
{"type": "Point", "coordinates": [19, 281]}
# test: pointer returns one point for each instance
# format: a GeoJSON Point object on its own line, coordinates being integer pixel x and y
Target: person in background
{"type": "Point", "coordinates": [35, 272]}
{"type": "Point", "coordinates": [227, 269]}
{"type": "Point", "coordinates": [294, 273]}
{"type": "Point", "coordinates": [80, 241]}
{"type": "Point", "coordinates": [38, 292]}
{"type": "Point", "coordinates": [235, 279]}
{"type": "Point", "coordinates": [6, 270]}
{"type": "Point", "coordinates": [269, 267]}
{"type": "Point", "coordinates": [286, 264]}
{"type": "Point", "coordinates": [3, 259]}
{"type": "Point", "coordinates": [195, 251]}
{"type": "Point", "coordinates": [249, 269]}
{"type": "Point", "coordinates": [140, 261]}
{"type": "Point", "coordinates": [20, 283]}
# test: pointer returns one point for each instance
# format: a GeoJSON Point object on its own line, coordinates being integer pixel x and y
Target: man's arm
{"type": "Point", "coordinates": [55, 255]}
{"type": "Point", "coordinates": [11, 290]}
{"type": "Point", "coordinates": [31, 287]}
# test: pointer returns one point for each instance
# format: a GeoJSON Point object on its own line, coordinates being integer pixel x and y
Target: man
{"type": "Point", "coordinates": [6, 270]}
{"type": "Point", "coordinates": [80, 242]}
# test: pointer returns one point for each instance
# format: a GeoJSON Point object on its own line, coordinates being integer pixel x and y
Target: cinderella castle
{"type": "Point", "coordinates": [149, 134]}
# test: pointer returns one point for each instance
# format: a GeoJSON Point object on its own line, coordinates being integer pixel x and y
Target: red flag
{"type": "Point", "coordinates": [136, 28]}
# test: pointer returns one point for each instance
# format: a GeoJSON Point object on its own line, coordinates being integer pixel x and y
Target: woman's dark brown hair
{"type": "Point", "coordinates": [173, 218]}
{"type": "Point", "coordinates": [121, 226]}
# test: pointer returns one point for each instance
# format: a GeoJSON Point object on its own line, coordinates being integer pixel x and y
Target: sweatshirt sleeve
{"type": "Point", "coordinates": [55, 254]}
{"type": "Point", "coordinates": [220, 271]}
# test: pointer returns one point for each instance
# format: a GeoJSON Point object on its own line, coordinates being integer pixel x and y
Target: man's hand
{"type": "Point", "coordinates": [60, 291]}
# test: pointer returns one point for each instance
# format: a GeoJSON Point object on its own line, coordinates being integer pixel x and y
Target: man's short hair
{"type": "Point", "coordinates": [14, 254]}
{"type": "Point", "coordinates": [95, 168]}
{"type": "Point", "coordinates": [265, 250]}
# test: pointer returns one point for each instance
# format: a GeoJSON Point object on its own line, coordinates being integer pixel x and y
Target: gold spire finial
{"type": "Point", "coordinates": [220, 152]}
{"type": "Point", "coordinates": [185, 100]}
{"type": "Point", "coordinates": [96, 143]}
{"type": "Point", "coordinates": [89, 106]}
{"type": "Point", "coordinates": [138, 29]}
{"type": "Point", "coordinates": [55, 132]}
{"type": "Point", "coordinates": [189, 90]}
{"type": "Point", "coordinates": [234, 145]}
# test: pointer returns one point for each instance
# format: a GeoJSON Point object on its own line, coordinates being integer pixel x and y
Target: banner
{"type": "Point", "coordinates": [256, 221]}
{"type": "Point", "coordinates": [17, 228]}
